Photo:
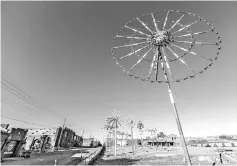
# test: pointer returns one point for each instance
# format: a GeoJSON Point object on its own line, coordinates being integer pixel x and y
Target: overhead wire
{"type": "Point", "coordinates": [22, 97]}
{"type": "Point", "coordinates": [25, 121]}
{"type": "Point", "coordinates": [17, 105]}
{"type": "Point", "coordinates": [27, 98]}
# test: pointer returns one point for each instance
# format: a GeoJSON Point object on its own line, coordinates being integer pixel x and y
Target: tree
{"type": "Point", "coordinates": [114, 121]}
{"type": "Point", "coordinates": [152, 131]}
{"type": "Point", "coordinates": [161, 134]}
{"type": "Point", "coordinates": [131, 125]}
{"type": "Point", "coordinates": [140, 126]}
{"type": "Point", "coordinates": [108, 129]}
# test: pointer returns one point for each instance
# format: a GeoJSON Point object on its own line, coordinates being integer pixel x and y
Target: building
{"type": "Point", "coordinates": [49, 139]}
{"type": "Point", "coordinates": [68, 138]}
{"type": "Point", "coordinates": [4, 137]}
{"type": "Point", "coordinates": [161, 142]}
{"type": "Point", "coordinates": [87, 142]}
{"type": "Point", "coordinates": [12, 146]}
{"type": "Point", "coordinates": [41, 139]}
{"type": "Point", "coordinates": [77, 141]}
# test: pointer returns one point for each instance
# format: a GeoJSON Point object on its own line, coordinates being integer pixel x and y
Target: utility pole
{"type": "Point", "coordinates": [59, 141]}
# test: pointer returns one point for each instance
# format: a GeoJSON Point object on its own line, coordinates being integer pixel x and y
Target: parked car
{"type": "Point", "coordinates": [26, 153]}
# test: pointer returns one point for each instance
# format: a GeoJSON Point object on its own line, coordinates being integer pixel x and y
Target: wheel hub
{"type": "Point", "coordinates": [161, 38]}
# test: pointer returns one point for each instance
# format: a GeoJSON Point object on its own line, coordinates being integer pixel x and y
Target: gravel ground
{"type": "Point", "coordinates": [165, 156]}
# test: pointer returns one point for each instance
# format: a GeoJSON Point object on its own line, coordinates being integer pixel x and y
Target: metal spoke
{"type": "Point", "coordinates": [129, 45]}
{"type": "Point", "coordinates": [186, 26]}
{"type": "Point", "coordinates": [157, 66]}
{"type": "Point", "coordinates": [182, 60]}
{"type": "Point", "coordinates": [152, 66]}
{"type": "Point", "coordinates": [196, 33]}
{"type": "Point", "coordinates": [166, 19]}
{"type": "Point", "coordinates": [154, 21]}
{"type": "Point", "coordinates": [140, 59]}
{"type": "Point", "coordinates": [201, 43]}
{"type": "Point", "coordinates": [193, 53]}
{"type": "Point", "coordinates": [133, 52]}
{"type": "Point", "coordinates": [183, 49]}
{"type": "Point", "coordinates": [205, 43]}
{"type": "Point", "coordinates": [145, 25]}
{"type": "Point", "coordinates": [186, 42]}
{"type": "Point", "coordinates": [166, 63]}
{"type": "Point", "coordinates": [132, 37]}
{"type": "Point", "coordinates": [177, 22]}
{"type": "Point", "coordinates": [135, 30]}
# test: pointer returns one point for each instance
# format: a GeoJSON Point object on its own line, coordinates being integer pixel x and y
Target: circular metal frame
{"type": "Point", "coordinates": [159, 39]}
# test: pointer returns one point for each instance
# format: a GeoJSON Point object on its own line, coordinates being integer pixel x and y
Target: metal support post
{"type": "Point", "coordinates": [179, 125]}
{"type": "Point", "coordinates": [159, 57]}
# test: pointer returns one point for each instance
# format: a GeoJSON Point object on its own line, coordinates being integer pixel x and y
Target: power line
{"type": "Point", "coordinates": [26, 94]}
{"type": "Point", "coordinates": [27, 98]}
{"type": "Point", "coordinates": [24, 121]}
{"type": "Point", "coordinates": [24, 99]}
{"type": "Point", "coordinates": [7, 102]}
{"type": "Point", "coordinates": [19, 95]}
{"type": "Point", "coordinates": [17, 105]}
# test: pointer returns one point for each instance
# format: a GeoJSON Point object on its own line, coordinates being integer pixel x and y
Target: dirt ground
{"type": "Point", "coordinates": [162, 156]}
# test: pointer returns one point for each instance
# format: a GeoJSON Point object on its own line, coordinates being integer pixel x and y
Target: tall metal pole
{"type": "Point", "coordinates": [179, 125]}
{"type": "Point", "coordinates": [59, 141]}
{"type": "Point", "coordinates": [159, 57]}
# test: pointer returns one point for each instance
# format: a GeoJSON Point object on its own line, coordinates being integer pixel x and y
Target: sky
{"type": "Point", "coordinates": [59, 53]}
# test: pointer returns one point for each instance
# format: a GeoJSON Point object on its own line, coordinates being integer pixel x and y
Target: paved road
{"type": "Point", "coordinates": [62, 157]}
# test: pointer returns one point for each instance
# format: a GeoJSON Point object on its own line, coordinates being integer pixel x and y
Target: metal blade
{"type": "Point", "coordinates": [129, 45]}
{"type": "Point", "coordinates": [133, 52]}
{"type": "Point", "coordinates": [182, 60]}
{"type": "Point", "coordinates": [135, 30]}
{"type": "Point", "coordinates": [154, 21]}
{"type": "Point", "coordinates": [144, 24]}
{"type": "Point", "coordinates": [140, 59]}
{"type": "Point", "coordinates": [177, 22]}
{"type": "Point", "coordinates": [166, 19]}
{"type": "Point", "coordinates": [186, 26]}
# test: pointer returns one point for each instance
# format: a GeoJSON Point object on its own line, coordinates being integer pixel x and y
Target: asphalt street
{"type": "Point", "coordinates": [61, 157]}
